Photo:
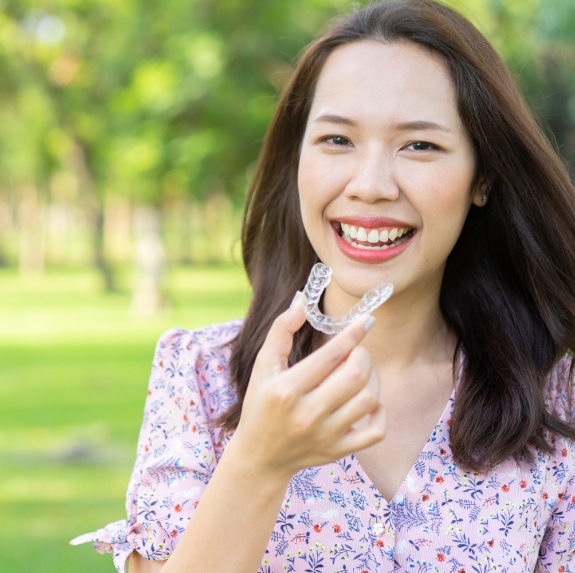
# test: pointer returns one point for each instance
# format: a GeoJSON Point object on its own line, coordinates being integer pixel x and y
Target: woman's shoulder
{"type": "Point", "coordinates": [207, 337]}
{"type": "Point", "coordinates": [190, 372]}
{"type": "Point", "coordinates": [198, 356]}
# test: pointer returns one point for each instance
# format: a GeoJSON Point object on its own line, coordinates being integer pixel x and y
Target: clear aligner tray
{"type": "Point", "coordinates": [317, 282]}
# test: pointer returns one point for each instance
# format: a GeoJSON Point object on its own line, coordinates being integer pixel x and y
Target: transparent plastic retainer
{"type": "Point", "coordinates": [317, 282]}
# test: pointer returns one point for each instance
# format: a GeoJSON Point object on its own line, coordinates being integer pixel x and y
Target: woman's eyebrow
{"type": "Point", "coordinates": [403, 126]}
{"type": "Point", "coordinates": [332, 118]}
{"type": "Point", "coordinates": [419, 125]}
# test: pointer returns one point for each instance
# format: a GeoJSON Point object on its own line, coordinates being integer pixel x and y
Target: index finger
{"type": "Point", "coordinates": [321, 363]}
{"type": "Point", "coordinates": [279, 340]}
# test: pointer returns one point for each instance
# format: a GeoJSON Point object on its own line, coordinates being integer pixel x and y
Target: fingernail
{"type": "Point", "coordinates": [295, 298]}
{"type": "Point", "coordinates": [369, 323]}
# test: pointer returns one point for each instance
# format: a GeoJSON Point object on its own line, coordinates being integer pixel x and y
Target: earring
{"type": "Point", "coordinates": [484, 198]}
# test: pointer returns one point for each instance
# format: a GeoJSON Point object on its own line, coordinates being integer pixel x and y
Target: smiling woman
{"type": "Point", "coordinates": [436, 435]}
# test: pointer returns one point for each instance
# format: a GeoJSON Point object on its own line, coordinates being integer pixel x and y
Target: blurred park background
{"type": "Point", "coordinates": [128, 133]}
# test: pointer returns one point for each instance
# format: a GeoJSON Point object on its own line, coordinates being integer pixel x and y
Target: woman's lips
{"type": "Point", "coordinates": [369, 255]}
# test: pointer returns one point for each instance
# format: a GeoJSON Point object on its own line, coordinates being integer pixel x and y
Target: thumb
{"type": "Point", "coordinates": [279, 341]}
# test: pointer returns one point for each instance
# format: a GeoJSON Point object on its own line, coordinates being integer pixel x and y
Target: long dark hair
{"type": "Point", "coordinates": [507, 291]}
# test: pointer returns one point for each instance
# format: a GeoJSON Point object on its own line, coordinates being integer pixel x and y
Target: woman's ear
{"type": "Point", "coordinates": [480, 192]}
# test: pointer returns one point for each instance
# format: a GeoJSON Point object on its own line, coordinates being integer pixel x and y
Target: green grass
{"type": "Point", "coordinates": [74, 366]}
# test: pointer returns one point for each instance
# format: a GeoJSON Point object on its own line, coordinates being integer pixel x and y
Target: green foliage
{"type": "Point", "coordinates": [150, 91]}
{"type": "Point", "coordinates": [157, 91]}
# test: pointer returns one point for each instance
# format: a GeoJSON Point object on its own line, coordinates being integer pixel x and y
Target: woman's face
{"type": "Point", "coordinates": [386, 168]}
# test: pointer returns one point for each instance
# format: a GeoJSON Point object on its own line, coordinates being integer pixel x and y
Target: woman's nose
{"type": "Point", "coordinates": [372, 179]}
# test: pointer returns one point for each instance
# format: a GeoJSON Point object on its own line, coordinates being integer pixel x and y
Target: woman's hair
{"type": "Point", "coordinates": [508, 287]}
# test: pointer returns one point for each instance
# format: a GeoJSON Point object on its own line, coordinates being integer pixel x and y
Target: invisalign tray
{"type": "Point", "coordinates": [317, 282]}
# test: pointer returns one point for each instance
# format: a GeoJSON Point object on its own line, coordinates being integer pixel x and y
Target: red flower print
{"type": "Point", "coordinates": [192, 403]}
{"type": "Point", "coordinates": [201, 391]}
{"type": "Point", "coordinates": [337, 529]}
{"type": "Point", "coordinates": [505, 487]}
{"type": "Point", "coordinates": [439, 479]}
{"type": "Point", "coordinates": [218, 368]}
{"type": "Point", "coordinates": [364, 571]}
{"type": "Point", "coordinates": [146, 448]}
{"type": "Point", "coordinates": [196, 503]}
{"type": "Point", "coordinates": [545, 495]}
{"type": "Point", "coordinates": [186, 419]}
{"type": "Point", "coordinates": [212, 410]}
{"type": "Point", "coordinates": [442, 452]}
{"type": "Point", "coordinates": [523, 484]}
{"type": "Point", "coordinates": [174, 533]}
{"type": "Point", "coordinates": [573, 500]}
{"type": "Point", "coordinates": [379, 543]}
{"type": "Point", "coordinates": [149, 392]}
{"type": "Point", "coordinates": [440, 557]}
{"type": "Point", "coordinates": [178, 508]}
{"type": "Point", "coordinates": [160, 363]}
{"type": "Point", "coordinates": [317, 528]}
{"type": "Point", "coordinates": [561, 495]}
{"type": "Point", "coordinates": [491, 542]}
{"type": "Point", "coordinates": [194, 428]}
{"type": "Point", "coordinates": [564, 452]}
{"type": "Point", "coordinates": [449, 422]}
{"type": "Point", "coordinates": [462, 570]}
{"type": "Point", "coordinates": [424, 497]}
{"type": "Point", "coordinates": [561, 569]}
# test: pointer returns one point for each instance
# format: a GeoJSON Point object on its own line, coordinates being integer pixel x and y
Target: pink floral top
{"type": "Point", "coordinates": [333, 520]}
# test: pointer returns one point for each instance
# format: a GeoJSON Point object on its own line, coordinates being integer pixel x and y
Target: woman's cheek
{"type": "Point", "coordinates": [318, 185]}
{"type": "Point", "coordinates": [442, 198]}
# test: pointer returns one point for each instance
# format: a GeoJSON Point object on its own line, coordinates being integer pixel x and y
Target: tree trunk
{"type": "Point", "coordinates": [6, 226]}
{"type": "Point", "coordinates": [95, 208]}
{"type": "Point", "coordinates": [31, 255]}
{"type": "Point", "coordinates": [150, 262]}
{"type": "Point", "coordinates": [118, 230]}
{"type": "Point", "coordinates": [186, 232]}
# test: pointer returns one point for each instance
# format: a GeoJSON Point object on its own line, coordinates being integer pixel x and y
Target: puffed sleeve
{"type": "Point", "coordinates": [176, 455]}
{"type": "Point", "coordinates": [557, 549]}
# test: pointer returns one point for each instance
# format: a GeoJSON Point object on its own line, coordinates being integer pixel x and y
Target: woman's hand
{"type": "Point", "coordinates": [292, 419]}
{"type": "Point", "coordinates": [300, 417]}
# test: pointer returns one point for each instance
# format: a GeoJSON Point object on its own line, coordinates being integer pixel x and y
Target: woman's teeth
{"type": "Point", "coordinates": [391, 237]}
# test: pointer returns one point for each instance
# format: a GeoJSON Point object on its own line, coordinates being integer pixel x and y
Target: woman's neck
{"type": "Point", "coordinates": [409, 327]}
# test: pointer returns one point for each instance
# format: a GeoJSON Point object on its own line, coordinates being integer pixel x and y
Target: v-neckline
{"type": "Point", "coordinates": [441, 421]}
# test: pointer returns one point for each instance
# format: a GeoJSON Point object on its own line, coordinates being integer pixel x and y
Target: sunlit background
{"type": "Point", "coordinates": [128, 133]}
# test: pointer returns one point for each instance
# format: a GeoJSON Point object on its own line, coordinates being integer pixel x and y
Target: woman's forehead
{"type": "Point", "coordinates": [370, 81]}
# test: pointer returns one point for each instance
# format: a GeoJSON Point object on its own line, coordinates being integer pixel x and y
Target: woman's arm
{"type": "Point", "coordinates": [292, 418]}
{"type": "Point", "coordinates": [231, 527]}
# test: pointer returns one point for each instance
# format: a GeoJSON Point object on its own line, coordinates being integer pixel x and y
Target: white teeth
{"type": "Point", "coordinates": [373, 236]}
{"type": "Point", "coordinates": [374, 248]}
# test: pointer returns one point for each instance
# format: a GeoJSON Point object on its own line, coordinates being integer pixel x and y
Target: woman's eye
{"type": "Point", "coordinates": [337, 140]}
{"type": "Point", "coordinates": [421, 146]}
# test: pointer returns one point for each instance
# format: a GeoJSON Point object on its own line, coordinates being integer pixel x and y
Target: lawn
{"type": "Point", "coordinates": [74, 366]}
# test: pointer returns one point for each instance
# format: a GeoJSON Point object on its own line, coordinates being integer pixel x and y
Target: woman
{"type": "Point", "coordinates": [400, 152]}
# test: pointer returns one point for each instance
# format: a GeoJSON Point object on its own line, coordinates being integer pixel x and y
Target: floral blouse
{"type": "Point", "coordinates": [333, 519]}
